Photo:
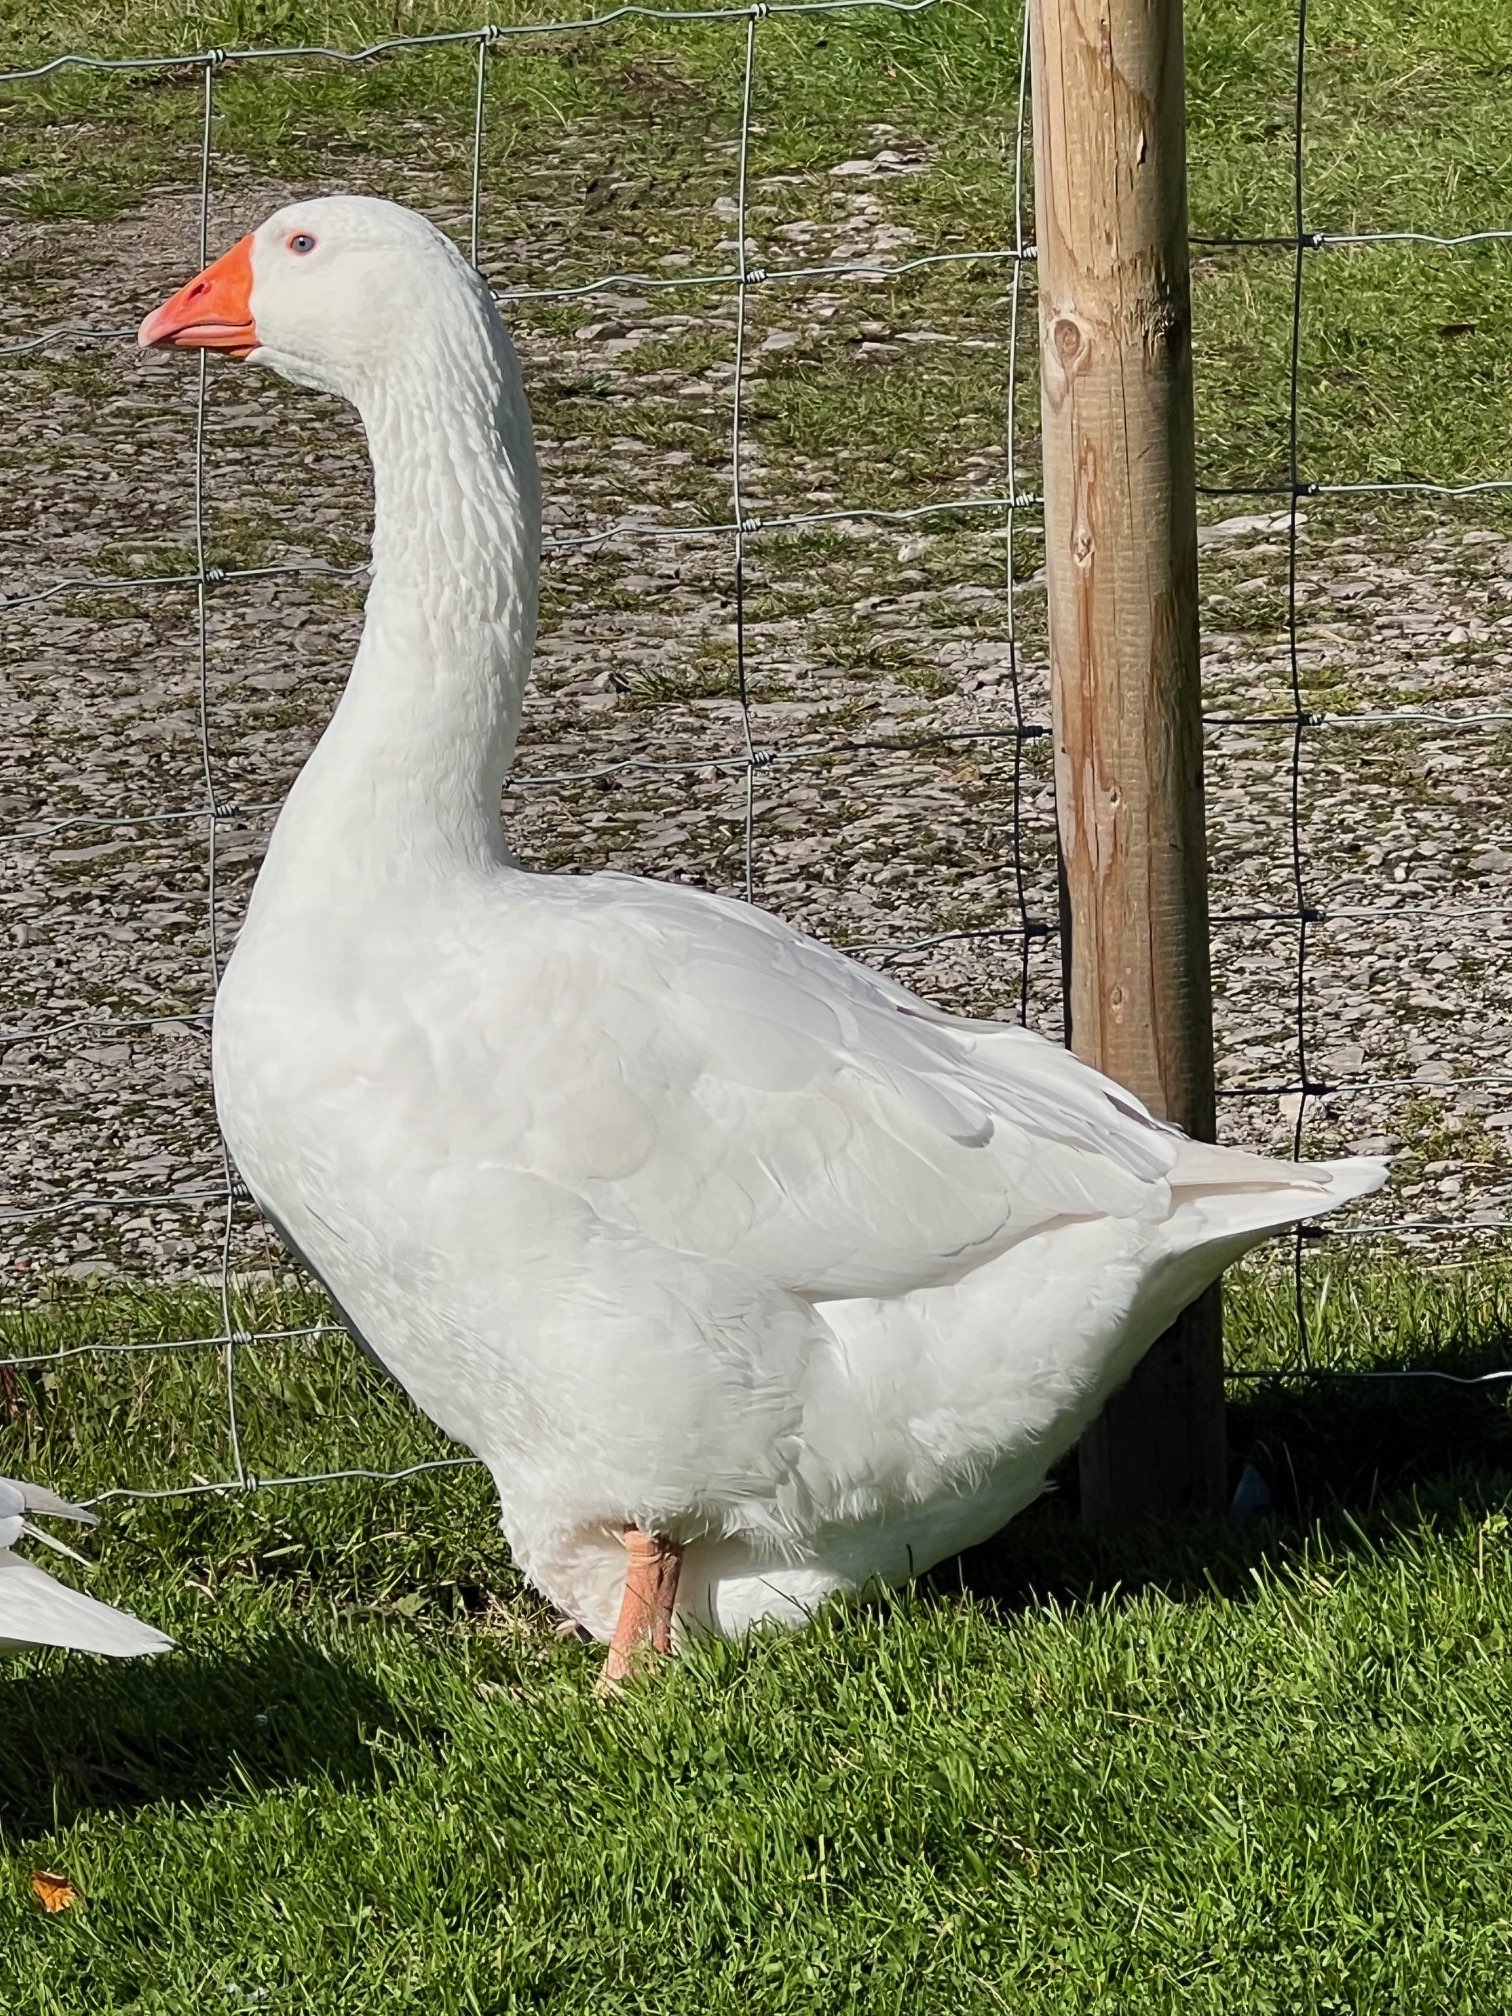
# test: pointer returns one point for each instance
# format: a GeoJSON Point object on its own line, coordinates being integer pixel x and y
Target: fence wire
{"type": "Point", "coordinates": [1012, 509]}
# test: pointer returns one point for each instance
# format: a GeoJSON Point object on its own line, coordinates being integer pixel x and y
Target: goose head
{"type": "Point", "coordinates": [370, 301]}
{"type": "Point", "coordinates": [346, 294]}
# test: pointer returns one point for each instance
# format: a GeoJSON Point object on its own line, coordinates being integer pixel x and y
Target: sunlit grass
{"type": "Point", "coordinates": [1258, 1767]}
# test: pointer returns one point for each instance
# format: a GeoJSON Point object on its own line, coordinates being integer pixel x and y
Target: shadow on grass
{"type": "Point", "coordinates": [91, 1737]}
{"type": "Point", "coordinates": [1345, 1460]}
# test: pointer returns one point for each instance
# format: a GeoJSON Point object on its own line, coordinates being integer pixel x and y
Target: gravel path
{"type": "Point", "coordinates": [882, 685]}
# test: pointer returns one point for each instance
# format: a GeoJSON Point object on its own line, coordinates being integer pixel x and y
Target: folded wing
{"type": "Point", "coordinates": [731, 1088]}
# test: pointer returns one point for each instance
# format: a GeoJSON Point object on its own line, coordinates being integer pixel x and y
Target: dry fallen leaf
{"type": "Point", "coordinates": [54, 1893]}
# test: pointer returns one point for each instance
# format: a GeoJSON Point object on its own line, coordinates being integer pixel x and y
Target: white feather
{"type": "Point", "coordinates": [38, 1610]}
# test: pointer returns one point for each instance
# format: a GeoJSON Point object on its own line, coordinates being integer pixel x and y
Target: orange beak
{"type": "Point", "coordinates": [213, 312]}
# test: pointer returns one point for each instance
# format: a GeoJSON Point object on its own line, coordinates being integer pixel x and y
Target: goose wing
{"type": "Point", "coordinates": [720, 1082]}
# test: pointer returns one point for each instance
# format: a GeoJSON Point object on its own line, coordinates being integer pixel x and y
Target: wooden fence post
{"type": "Point", "coordinates": [1121, 566]}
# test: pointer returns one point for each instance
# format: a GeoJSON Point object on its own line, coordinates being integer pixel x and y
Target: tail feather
{"type": "Point", "coordinates": [1224, 1194]}
{"type": "Point", "coordinates": [1200, 1165]}
{"type": "Point", "coordinates": [35, 1609]}
{"type": "Point", "coordinates": [37, 1498]}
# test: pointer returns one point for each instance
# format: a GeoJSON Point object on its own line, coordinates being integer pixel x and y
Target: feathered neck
{"type": "Point", "coordinates": [416, 754]}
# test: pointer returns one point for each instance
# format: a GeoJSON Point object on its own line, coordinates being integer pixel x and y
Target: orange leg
{"type": "Point", "coordinates": [645, 1618]}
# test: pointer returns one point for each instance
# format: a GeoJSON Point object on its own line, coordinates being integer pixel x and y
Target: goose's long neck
{"type": "Point", "coordinates": [416, 755]}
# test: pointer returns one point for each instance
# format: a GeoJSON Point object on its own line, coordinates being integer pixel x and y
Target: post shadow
{"type": "Point", "coordinates": [1345, 1461]}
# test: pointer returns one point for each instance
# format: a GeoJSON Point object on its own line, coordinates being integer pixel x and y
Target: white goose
{"type": "Point", "coordinates": [750, 1275]}
{"type": "Point", "coordinates": [36, 1610]}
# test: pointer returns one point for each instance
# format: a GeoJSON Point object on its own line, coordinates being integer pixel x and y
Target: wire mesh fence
{"type": "Point", "coordinates": [714, 760]}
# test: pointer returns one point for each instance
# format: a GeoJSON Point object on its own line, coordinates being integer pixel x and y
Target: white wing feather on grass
{"type": "Point", "coordinates": [35, 1608]}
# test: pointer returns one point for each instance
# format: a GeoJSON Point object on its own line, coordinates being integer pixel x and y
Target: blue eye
{"type": "Point", "coordinates": [301, 242]}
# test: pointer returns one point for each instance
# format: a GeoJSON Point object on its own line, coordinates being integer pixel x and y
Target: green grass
{"type": "Point", "coordinates": [1258, 1768]}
